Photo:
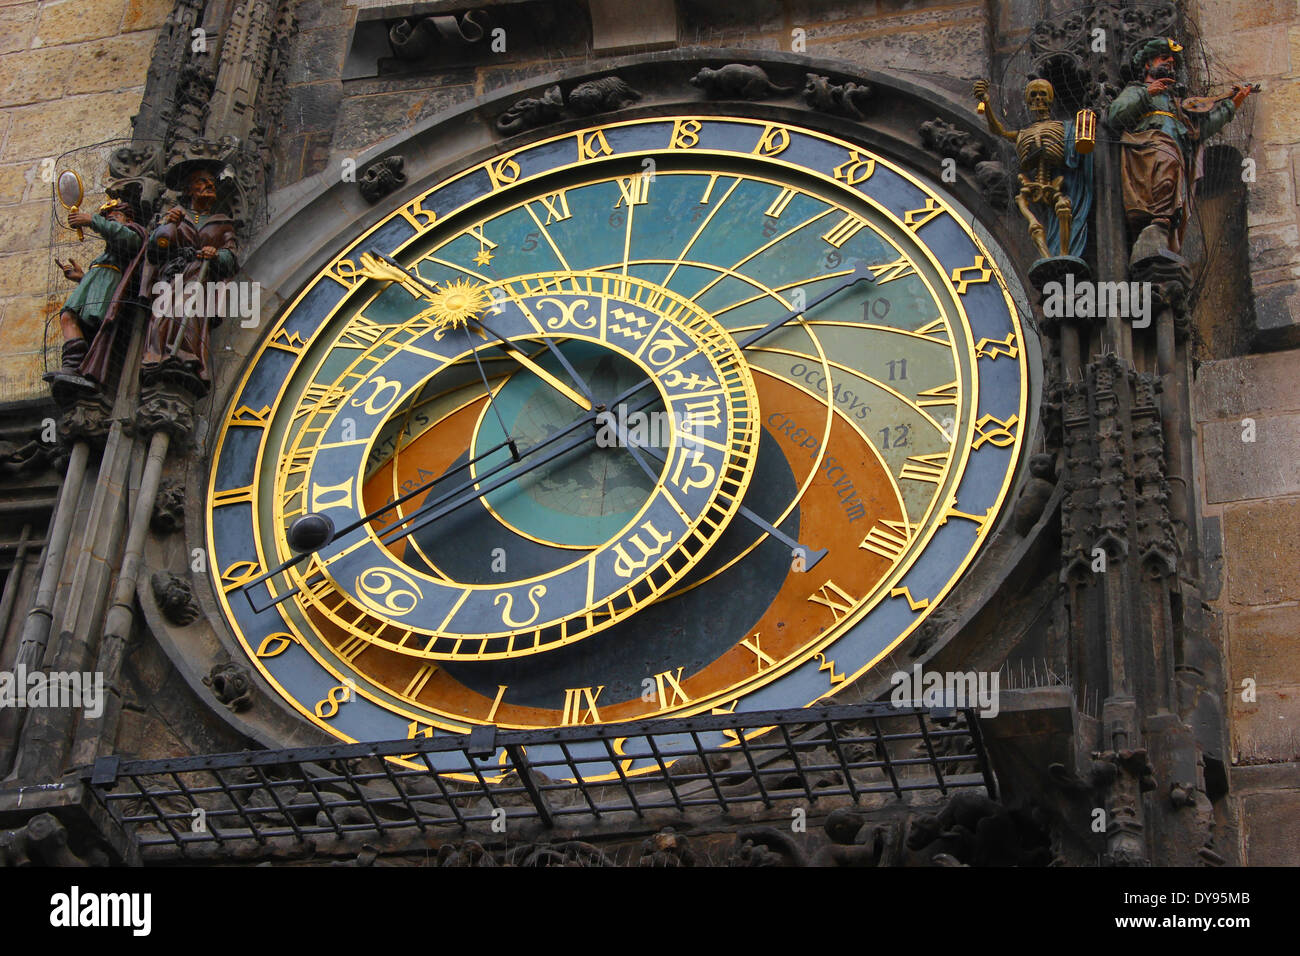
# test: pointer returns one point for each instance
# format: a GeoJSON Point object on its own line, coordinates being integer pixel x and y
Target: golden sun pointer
{"type": "Point", "coordinates": [457, 302]}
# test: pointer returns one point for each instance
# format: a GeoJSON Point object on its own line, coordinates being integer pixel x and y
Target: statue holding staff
{"type": "Point", "coordinates": [196, 244]}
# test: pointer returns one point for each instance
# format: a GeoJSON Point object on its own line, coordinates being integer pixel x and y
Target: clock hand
{"type": "Point", "coordinates": [811, 555]}
{"type": "Point", "coordinates": [307, 550]}
{"type": "Point", "coordinates": [376, 265]}
{"type": "Point", "coordinates": [426, 516]}
{"type": "Point", "coordinates": [514, 449]}
{"type": "Point", "coordinates": [381, 267]}
{"type": "Point", "coordinates": [860, 272]}
{"type": "Point", "coordinates": [393, 272]}
{"type": "Point", "coordinates": [513, 351]}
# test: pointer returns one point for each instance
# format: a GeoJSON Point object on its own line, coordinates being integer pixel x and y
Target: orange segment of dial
{"type": "Point", "coordinates": [850, 493]}
{"type": "Point", "coordinates": [425, 458]}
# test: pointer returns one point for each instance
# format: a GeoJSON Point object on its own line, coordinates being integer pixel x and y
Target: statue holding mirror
{"type": "Point", "coordinates": [104, 288]}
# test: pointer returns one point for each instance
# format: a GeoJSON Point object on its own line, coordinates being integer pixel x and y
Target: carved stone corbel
{"type": "Point", "coordinates": [175, 598]}
{"type": "Point", "coordinates": [232, 685]}
{"type": "Point", "coordinates": [380, 178]}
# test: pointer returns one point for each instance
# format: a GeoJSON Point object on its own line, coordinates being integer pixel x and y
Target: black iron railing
{"type": "Point", "coordinates": [725, 762]}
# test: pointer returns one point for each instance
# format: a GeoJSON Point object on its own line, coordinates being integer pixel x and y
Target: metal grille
{"type": "Point", "coordinates": [764, 758]}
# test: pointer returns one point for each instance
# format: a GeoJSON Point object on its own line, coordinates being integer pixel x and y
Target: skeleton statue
{"type": "Point", "coordinates": [1053, 173]}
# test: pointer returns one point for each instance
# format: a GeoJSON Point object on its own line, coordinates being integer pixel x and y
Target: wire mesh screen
{"type": "Point", "coordinates": [725, 763]}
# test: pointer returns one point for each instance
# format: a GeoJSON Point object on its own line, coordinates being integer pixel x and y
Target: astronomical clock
{"type": "Point", "coordinates": [677, 415]}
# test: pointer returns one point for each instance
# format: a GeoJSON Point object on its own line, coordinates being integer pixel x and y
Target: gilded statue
{"type": "Point", "coordinates": [1055, 171]}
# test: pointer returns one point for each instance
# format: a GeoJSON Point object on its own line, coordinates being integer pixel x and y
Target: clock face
{"type": "Point", "coordinates": [665, 417]}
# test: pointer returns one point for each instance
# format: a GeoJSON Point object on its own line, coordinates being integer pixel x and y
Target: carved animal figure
{"type": "Point", "coordinates": [1037, 491]}
{"type": "Point", "coordinates": [765, 846]}
{"type": "Point", "coordinates": [601, 96]}
{"type": "Point", "coordinates": [995, 183]}
{"type": "Point", "coordinates": [973, 829]}
{"type": "Point", "coordinates": [845, 99]}
{"type": "Point", "coordinates": [666, 848]}
{"type": "Point", "coordinates": [569, 853]}
{"type": "Point", "coordinates": [174, 598]}
{"type": "Point", "coordinates": [381, 177]}
{"type": "Point", "coordinates": [15, 459]}
{"type": "Point", "coordinates": [947, 140]}
{"type": "Point", "coordinates": [168, 508]}
{"type": "Point", "coordinates": [469, 853]}
{"type": "Point", "coordinates": [231, 684]}
{"type": "Point", "coordinates": [737, 81]}
{"type": "Point", "coordinates": [531, 111]}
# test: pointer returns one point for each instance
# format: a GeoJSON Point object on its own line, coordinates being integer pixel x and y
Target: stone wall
{"type": "Point", "coordinates": [71, 73]}
{"type": "Point", "coordinates": [1250, 489]}
{"type": "Point", "coordinates": [1248, 420]}
{"type": "Point", "coordinates": [336, 119]}
{"type": "Point", "coordinates": [1260, 41]}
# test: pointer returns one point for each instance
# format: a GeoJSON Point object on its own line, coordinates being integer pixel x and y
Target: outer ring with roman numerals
{"type": "Point", "coordinates": [990, 404]}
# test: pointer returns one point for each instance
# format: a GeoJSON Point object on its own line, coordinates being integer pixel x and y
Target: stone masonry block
{"type": "Point", "coordinates": [108, 65]}
{"type": "Point", "coordinates": [53, 128]}
{"type": "Point", "coordinates": [1268, 825]}
{"type": "Point", "coordinates": [13, 182]}
{"type": "Point", "coordinates": [1267, 729]}
{"type": "Point", "coordinates": [145, 14]}
{"type": "Point", "coordinates": [1254, 53]}
{"type": "Point", "coordinates": [17, 26]}
{"type": "Point", "coordinates": [1277, 314]}
{"type": "Point", "coordinates": [34, 76]}
{"type": "Point", "coordinates": [27, 226]}
{"type": "Point", "coordinates": [1257, 649]}
{"type": "Point", "coordinates": [20, 376]}
{"type": "Point", "coordinates": [24, 273]}
{"type": "Point", "coordinates": [75, 21]}
{"type": "Point", "coordinates": [1262, 544]}
{"type": "Point", "coordinates": [1249, 385]}
{"type": "Point", "coordinates": [1264, 468]}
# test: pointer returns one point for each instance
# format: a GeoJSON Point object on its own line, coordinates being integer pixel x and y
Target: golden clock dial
{"type": "Point", "coordinates": [380, 585]}
{"type": "Point", "coordinates": [712, 433]}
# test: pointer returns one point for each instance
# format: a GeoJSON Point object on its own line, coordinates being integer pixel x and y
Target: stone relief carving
{"type": "Point", "coordinates": [175, 598]}
{"type": "Point", "coordinates": [971, 152]}
{"type": "Point", "coordinates": [168, 507]}
{"type": "Point", "coordinates": [381, 177]}
{"type": "Point", "coordinates": [232, 685]}
{"type": "Point", "coordinates": [43, 841]}
{"type": "Point", "coordinates": [603, 95]}
{"type": "Point", "coordinates": [737, 81]}
{"type": "Point", "coordinates": [532, 112]}
{"type": "Point", "coordinates": [1034, 496]}
{"type": "Point", "coordinates": [842, 99]}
